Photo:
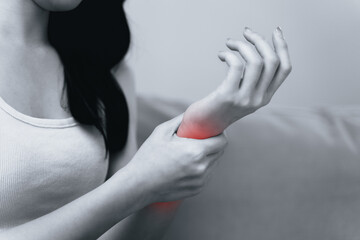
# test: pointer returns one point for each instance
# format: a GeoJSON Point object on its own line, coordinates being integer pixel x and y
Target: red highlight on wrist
{"type": "Point", "coordinates": [166, 206]}
{"type": "Point", "coordinates": [198, 131]}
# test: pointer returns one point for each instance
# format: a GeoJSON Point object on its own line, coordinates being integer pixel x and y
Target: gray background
{"type": "Point", "coordinates": [175, 46]}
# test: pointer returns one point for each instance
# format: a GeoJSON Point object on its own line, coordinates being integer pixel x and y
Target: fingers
{"type": "Point", "coordinates": [263, 47]}
{"type": "Point", "coordinates": [254, 64]}
{"type": "Point", "coordinates": [265, 69]}
{"type": "Point", "coordinates": [213, 144]}
{"type": "Point", "coordinates": [270, 59]}
{"type": "Point", "coordinates": [212, 158]}
{"type": "Point", "coordinates": [206, 146]}
{"type": "Point", "coordinates": [285, 67]}
{"type": "Point", "coordinates": [170, 126]}
{"type": "Point", "coordinates": [236, 69]}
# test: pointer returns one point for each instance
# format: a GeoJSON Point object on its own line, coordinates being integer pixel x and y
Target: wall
{"type": "Point", "coordinates": [175, 46]}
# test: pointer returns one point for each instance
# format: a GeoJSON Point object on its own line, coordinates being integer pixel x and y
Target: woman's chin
{"type": "Point", "coordinates": [58, 5]}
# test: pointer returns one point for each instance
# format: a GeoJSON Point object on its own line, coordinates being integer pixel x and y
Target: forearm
{"type": "Point", "coordinates": [150, 223]}
{"type": "Point", "coordinates": [87, 217]}
{"type": "Point", "coordinates": [205, 118]}
{"type": "Point", "coordinates": [241, 93]}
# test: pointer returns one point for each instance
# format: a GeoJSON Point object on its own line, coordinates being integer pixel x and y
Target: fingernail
{"type": "Point", "coordinates": [280, 32]}
{"type": "Point", "coordinates": [247, 29]}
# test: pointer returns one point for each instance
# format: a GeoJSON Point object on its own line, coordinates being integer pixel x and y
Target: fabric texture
{"type": "Point", "coordinates": [287, 173]}
{"type": "Point", "coordinates": [44, 164]}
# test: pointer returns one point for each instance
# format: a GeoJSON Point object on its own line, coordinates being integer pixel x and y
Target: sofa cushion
{"type": "Point", "coordinates": [287, 173]}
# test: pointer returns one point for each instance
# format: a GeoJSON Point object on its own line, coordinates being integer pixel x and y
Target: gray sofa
{"type": "Point", "coordinates": [287, 173]}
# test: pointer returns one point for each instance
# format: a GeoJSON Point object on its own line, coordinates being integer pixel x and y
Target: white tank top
{"type": "Point", "coordinates": [45, 163]}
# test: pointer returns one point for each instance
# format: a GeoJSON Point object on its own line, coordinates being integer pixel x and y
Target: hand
{"type": "Point", "coordinates": [246, 88]}
{"type": "Point", "coordinates": [172, 167]}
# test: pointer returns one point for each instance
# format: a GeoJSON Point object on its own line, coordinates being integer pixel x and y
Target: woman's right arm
{"type": "Point", "coordinates": [165, 168]}
{"type": "Point", "coordinates": [89, 216]}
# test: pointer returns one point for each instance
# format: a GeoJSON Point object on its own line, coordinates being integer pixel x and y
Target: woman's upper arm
{"type": "Point", "coordinates": [125, 77]}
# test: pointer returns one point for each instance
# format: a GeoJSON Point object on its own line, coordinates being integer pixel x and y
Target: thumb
{"type": "Point", "coordinates": [173, 124]}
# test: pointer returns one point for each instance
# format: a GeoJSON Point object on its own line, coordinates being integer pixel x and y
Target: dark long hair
{"type": "Point", "coordinates": [90, 40]}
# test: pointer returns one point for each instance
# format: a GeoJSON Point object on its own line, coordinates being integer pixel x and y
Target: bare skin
{"type": "Point", "coordinates": [246, 88]}
{"type": "Point", "coordinates": [97, 216]}
{"type": "Point", "coordinates": [173, 164]}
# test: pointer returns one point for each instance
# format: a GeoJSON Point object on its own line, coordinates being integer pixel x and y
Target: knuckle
{"type": "Point", "coordinates": [197, 154]}
{"type": "Point", "coordinates": [258, 62]}
{"type": "Point", "coordinates": [225, 140]}
{"type": "Point", "coordinates": [237, 65]}
{"type": "Point", "coordinates": [227, 55]}
{"type": "Point", "coordinates": [259, 102]}
{"type": "Point", "coordinates": [229, 99]}
{"type": "Point", "coordinates": [189, 153]}
{"type": "Point", "coordinates": [273, 60]}
{"type": "Point", "coordinates": [259, 37]}
{"type": "Point", "coordinates": [251, 104]}
{"type": "Point", "coordinates": [238, 44]}
{"type": "Point", "coordinates": [188, 156]}
{"type": "Point", "coordinates": [256, 104]}
{"type": "Point", "coordinates": [266, 101]}
{"type": "Point", "coordinates": [243, 101]}
{"type": "Point", "coordinates": [200, 170]}
{"type": "Point", "coordinates": [287, 68]}
{"type": "Point", "coordinates": [230, 41]}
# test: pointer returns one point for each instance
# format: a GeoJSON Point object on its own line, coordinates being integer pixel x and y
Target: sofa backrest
{"type": "Point", "coordinates": [287, 173]}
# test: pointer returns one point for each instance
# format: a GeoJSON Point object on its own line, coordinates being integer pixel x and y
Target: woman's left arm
{"type": "Point", "coordinates": [151, 222]}
{"type": "Point", "coordinates": [246, 88]}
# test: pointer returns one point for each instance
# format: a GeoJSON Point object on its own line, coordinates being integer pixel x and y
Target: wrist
{"type": "Point", "coordinates": [165, 206]}
{"type": "Point", "coordinates": [205, 118]}
{"type": "Point", "coordinates": [225, 105]}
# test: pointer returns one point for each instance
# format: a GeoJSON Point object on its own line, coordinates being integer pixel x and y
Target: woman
{"type": "Point", "coordinates": [66, 125]}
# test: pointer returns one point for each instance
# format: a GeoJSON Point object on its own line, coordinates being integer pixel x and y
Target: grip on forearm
{"type": "Point", "coordinates": [189, 131]}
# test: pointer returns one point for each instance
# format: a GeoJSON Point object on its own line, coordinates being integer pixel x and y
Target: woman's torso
{"type": "Point", "coordinates": [44, 164]}
{"type": "Point", "coordinates": [45, 161]}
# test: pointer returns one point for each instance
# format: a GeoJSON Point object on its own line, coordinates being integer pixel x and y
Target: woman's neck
{"type": "Point", "coordinates": [23, 22]}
